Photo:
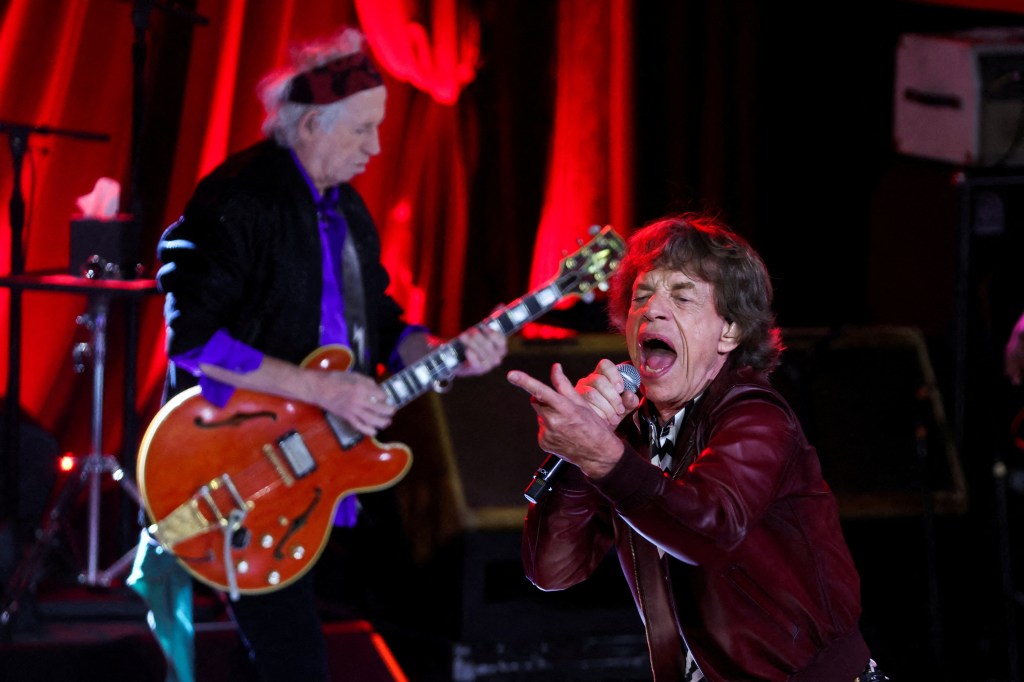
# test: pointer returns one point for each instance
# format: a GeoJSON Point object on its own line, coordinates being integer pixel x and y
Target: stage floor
{"type": "Point", "coordinates": [89, 635]}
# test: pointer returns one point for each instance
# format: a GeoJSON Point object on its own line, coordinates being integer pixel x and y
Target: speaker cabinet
{"type": "Point", "coordinates": [868, 401]}
{"type": "Point", "coordinates": [475, 448]}
{"type": "Point", "coordinates": [958, 96]}
{"type": "Point", "coordinates": [493, 427]}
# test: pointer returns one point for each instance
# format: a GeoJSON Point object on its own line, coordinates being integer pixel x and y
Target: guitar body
{"type": "Point", "coordinates": [209, 474]}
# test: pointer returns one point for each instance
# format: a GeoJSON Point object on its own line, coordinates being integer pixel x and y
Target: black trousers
{"type": "Point", "coordinates": [360, 575]}
{"type": "Point", "coordinates": [283, 633]}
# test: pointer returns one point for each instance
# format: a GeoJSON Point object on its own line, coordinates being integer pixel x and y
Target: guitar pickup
{"type": "Point", "coordinates": [300, 459]}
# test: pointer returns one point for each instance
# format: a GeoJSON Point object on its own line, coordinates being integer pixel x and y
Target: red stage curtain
{"type": "Point", "coordinates": [64, 64]}
{"type": "Point", "coordinates": [419, 187]}
{"type": "Point", "coordinates": [68, 64]}
{"type": "Point", "coordinates": [590, 165]}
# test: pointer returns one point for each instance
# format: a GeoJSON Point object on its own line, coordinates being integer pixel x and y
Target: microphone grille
{"type": "Point", "coordinates": [630, 376]}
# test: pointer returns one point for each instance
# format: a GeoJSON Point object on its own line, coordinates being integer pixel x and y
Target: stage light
{"type": "Point", "coordinates": [66, 463]}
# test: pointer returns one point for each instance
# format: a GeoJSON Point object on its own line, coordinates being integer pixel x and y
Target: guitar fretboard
{"type": "Point", "coordinates": [442, 362]}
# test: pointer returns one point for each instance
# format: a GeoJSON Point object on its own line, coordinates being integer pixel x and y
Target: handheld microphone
{"type": "Point", "coordinates": [545, 473]}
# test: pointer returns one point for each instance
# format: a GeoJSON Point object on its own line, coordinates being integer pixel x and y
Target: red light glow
{"type": "Point", "coordinates": [66, 463]}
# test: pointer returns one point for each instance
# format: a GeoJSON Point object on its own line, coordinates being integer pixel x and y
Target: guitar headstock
{"type": "Point", "coordinates": [590, 266]}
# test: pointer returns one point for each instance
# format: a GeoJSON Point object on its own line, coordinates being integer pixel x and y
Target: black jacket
{"type": "Point", "coordinates": [245, 255]}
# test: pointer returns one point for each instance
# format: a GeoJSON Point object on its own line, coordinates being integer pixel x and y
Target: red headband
{"type": "Point", "coordinates": [335, 80]}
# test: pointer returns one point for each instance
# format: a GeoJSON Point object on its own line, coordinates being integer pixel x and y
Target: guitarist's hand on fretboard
{"type": "Point", "coordinates": [484, 348]}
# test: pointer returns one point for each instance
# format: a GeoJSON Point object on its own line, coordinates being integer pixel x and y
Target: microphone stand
{"type": "Point", "coordinates": [142, 11]}
{"type": "Point", "coordinates": [17, 134]}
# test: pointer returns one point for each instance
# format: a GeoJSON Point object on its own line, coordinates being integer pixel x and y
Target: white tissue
{"type": "Point", "coordinates": [102, 202]}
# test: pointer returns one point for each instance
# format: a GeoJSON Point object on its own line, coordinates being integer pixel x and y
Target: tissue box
{"type": "Point", "coordinates": [107, 249]}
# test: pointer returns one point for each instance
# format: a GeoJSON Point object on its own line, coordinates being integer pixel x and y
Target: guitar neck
{"type": "Point", "coordinates": [579, 274]}
{"type": "Point", "coordinates": [442, 362]}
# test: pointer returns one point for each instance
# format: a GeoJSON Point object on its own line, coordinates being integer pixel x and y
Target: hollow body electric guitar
{"type": "Point", "coordinates": [244, 496]}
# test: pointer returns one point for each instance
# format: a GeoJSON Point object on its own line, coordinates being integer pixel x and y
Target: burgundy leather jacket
{"type": "Point", "coordinates": [756, 576]}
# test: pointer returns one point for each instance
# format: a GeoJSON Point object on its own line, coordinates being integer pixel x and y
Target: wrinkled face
{"type": "Point", "coordinates": [343, 152]}
{"type": "Point", "coordinates": [675, 336]}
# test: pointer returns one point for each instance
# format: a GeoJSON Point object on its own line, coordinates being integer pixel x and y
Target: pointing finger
{"type": "Point", "coordinates": [538, 389]}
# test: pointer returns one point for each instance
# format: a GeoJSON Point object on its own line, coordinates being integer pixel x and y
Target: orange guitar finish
{"type": "Point", "coordinates": [198, 463]}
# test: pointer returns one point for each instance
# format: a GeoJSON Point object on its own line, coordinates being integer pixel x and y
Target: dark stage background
{"type": "Point", "coordinates": [896, 286]}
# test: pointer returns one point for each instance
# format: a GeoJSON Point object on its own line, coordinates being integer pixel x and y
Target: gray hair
{"type": "Point", "coordinates": [282, 116]}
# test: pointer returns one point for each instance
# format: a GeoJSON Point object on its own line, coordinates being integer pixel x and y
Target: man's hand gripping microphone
{"type": "Point", "coordinates": [546, 472]}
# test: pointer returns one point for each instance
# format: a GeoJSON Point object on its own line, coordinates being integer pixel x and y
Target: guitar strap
{"type": "Point", "coordinates": [355, 304]}
{"type": "Point", "coordinates": [345, 277]}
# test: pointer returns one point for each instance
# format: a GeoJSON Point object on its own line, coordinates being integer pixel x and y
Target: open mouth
{"type": "Point", "coordinates": [656, 355]}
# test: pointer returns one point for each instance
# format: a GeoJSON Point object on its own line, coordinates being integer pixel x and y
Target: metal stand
{"type": "Point", "coordinates": [97, 464]}
{"type": "Point", "coordinates": [90, 470]}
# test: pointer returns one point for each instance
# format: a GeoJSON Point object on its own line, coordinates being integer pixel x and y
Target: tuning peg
{"type": "Point", "coordinates": [588, 297]}
{"type": "Point", "coordinates": [593, 230]}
